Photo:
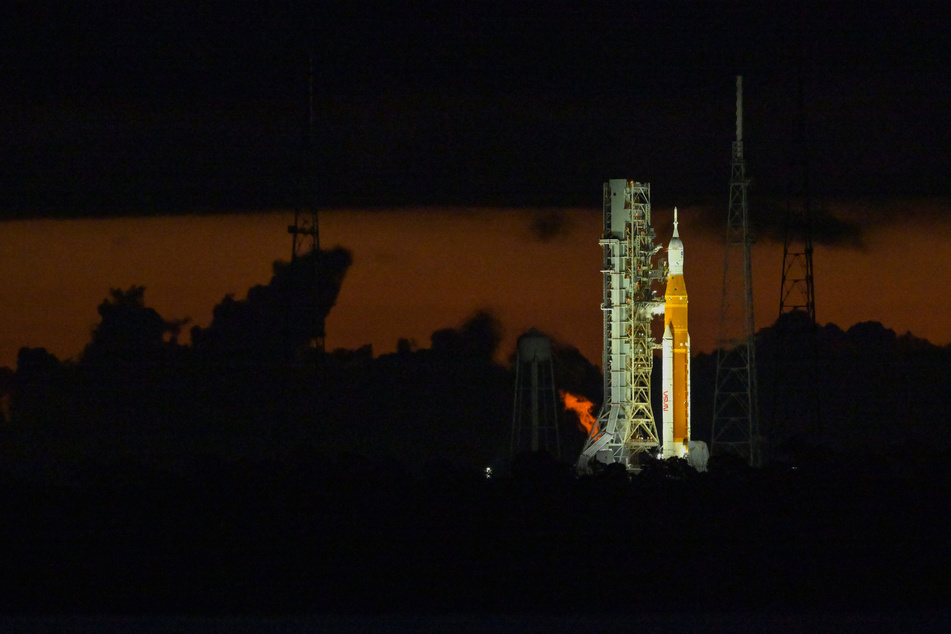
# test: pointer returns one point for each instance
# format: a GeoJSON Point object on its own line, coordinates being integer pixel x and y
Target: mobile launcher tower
{"type": "Point", "coordinates": [625, 425]}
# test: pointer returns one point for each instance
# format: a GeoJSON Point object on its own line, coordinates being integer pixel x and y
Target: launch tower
{"type": "Point", "coordinates": [625, 426]}
{"type": "Point", "coordinates": [735, 426]}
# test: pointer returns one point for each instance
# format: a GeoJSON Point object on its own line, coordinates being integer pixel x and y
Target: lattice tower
{"type": "Point", "coordinates": [735, 427]}
{"type": "Point", "coordinates": [796, 365]}
{"type": "Point", "coordinates": [305, 231]}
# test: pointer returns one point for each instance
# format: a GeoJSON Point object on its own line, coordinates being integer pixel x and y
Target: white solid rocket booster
{"type": "Point", "coordinates": [667, 367]}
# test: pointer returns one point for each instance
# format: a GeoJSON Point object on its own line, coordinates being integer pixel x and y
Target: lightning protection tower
{"type": "Point", "coordinates": [796, 403]}
{"type": "Point", "coordinates": [535, 412]}
{"type": "Point", "coordinates": [796, 289]}
{"type": "Point", "coordinates": [797, 292]}
{"type": "Point", "coordinates": [735, 427]}
{"type": "Point", "coordinates": [305, 232]}
{"type": "Point", "coordinates": [625, 426]}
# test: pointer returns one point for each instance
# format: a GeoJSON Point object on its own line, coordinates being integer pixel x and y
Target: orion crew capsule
{"type": "Point", "coordinates": [676, 353]}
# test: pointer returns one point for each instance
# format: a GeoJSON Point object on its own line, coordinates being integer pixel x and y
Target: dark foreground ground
{"type": "Point", "coordinates": [356, 542]}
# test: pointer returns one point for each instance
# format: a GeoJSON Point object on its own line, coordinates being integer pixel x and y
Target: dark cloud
{"type": "Point", "coordinates": [846, 223]}
{"type": "Point", "coordinates": [548, 224]}
{"type": "Point", "coordinates": [774, 221]}
{"type": "Point", "coordinates": [479, 336]}
{"type": "Point", "coordinates": [827, 229]}
{"type": "Point", "coordinates": [831, 224]}
{"type": "Point", "coordinates": [116, 108]}
{"type": "Point", "coordinates": [836, 222]}
{"type": "Point", "coordinates": [282, 316]}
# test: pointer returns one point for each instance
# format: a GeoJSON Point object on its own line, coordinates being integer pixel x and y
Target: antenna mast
{"type": "Point", "coordinates": [735, 426]}
{"type": "Point", "coordinates": [796, 402]}
{"type": "Point", "coordinates": [305, 232]}
{"type": "Point", "coordinates": [798, 291]}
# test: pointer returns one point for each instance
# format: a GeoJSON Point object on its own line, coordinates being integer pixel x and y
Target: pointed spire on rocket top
{"type": "Point", "coordinates": [675, 250]}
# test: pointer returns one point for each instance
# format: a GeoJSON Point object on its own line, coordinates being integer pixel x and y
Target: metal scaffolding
{"type": "Point", "coordinates": [625, 426]}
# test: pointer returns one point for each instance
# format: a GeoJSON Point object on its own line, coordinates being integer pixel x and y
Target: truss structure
{"type": "Point", "coordinates": [735, 427]}
{"type": "Point", "coordinates": [795, 363]}
{"type": "Point", "coordinates": [305, 231]}
{"type": "Point", "coordinates": [625, 426]}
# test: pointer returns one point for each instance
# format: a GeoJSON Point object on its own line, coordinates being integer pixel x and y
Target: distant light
{"type": "Point", "coordinates": [488, 472]}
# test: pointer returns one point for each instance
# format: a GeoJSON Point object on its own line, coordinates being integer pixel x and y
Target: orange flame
{"type": "Point", "coordinates": [582, 408]}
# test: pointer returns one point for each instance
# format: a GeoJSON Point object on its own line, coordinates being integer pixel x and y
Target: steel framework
{"type": "Point", "coordinates": [796, 367]}
{"type": "Point", "coordinates": [797, 291]}
{"type": "Point", "coordinates": [305, 230]}
{"type": "Point", "coordinates": [625, 426]}
{"type": "Point", "coordinates": [735, 427]}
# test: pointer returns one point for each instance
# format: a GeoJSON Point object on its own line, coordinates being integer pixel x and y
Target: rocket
{"type": "Point", "coordinates": [676, 354]}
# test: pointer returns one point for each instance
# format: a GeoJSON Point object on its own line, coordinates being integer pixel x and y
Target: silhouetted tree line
{"type": "Point", "coordinates": [246, 472]}
{"type": "Point", "coordinates": [251, 385]}
{"type": "Point", "coordinates": [865, 391]}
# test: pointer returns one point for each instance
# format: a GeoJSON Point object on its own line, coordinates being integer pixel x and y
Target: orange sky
{"type": "Point", "coordinates": [416, 271]}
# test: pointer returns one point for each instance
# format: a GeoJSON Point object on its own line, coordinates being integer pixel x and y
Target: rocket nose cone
{"type": "Point", "coordinates": [675, 242]}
